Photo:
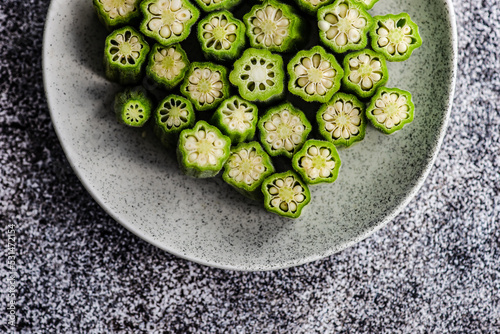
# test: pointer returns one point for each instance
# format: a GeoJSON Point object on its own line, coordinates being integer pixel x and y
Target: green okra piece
{"type": "Point", "coordinates": [342, 120]}
{"type": "Point", "coordinates": [317, 162]}
{"type": "Point", "coordinates": [125, 55]}
{"type": "Point", "coordinates": [174, 114]}
{"type": "Point", "coordinates": [311, 6]}
{"type": "Point", "coordinates": [364, 72]}
{"type": "Point", "coordinates": [390, 109]}
{"type": "Point", "coordinates": [115, 14]}
{"type": "Point", "coordinates": [205, 85]}
{"type": "Point", "coordinates": [133, 106]}
{"type": "Point", "coordinates": [343, 26]}
{"type": "Point", "coordinates": [395, 36]}
{"type": "Point", "coordinates": [167, 65]}
{"type": "Point", "coordinates": [259, 75]}
{"type": "Point", "coordinates": [285, 194]}
{"type": "Point", "coordinates": [283, 130]}
{"type": "Point", "coordinates": [314, 75]}
{"type": "Point", "coordinates": [222, 36]}
{"type": "Point", "coordinates": [168, 21]}
{"type": "Point", "coordinates": [237, 119]}
{"type": "Point", "coordinates": [212, 5]}
{"type": "Point", "coordinates": [274, 26]}
{"type": "Point", "coordinates": [367, 4]}
{"type": "Point", "coordinates": [247, 167]}
{"type": "Point", "coordinates": [202, 150]}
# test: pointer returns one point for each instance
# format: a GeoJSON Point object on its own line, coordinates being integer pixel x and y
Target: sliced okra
{"type": "Point", "coordinates": [117, 13]}
{"type": "Point", "coordinates": [283, 130]}
{"type": "Point", "coordinates": [202, 150]}
{"type": "Point", "coordinates": [364, 72]}
{"type": "Point", "coordinates": [315, 75]}
{"type": "Point", "coordinates": [248, 165]}
{"type": "Point", "coordinates": [317, 162]}
{"type": "Point", "coordinates": [367, 4]}
{"type": "Point", "coordinates": [395, 36]}
{"type": "Point", "coordinates": [390, 109]}
{"type": "Point", "coordinates": [259, 75]}
{"type": "Point", "coordinates": [205, 85]}
{"type": "Point", "coordinates": [167, 65]}
{"type": "Point", "coordinates": [344, 25]}
{"type": "Point", "coordinates": [133, 106]}
{"type": "Point", "coordinates": [221, 35]}
{"type": "Point", "coordinates": [211, 5]}
{"type": "Point", "coordinates": [168, 21]}
{"type": "Point", "coordinates": [342, 120]}
{"type": "Point", "coordinates": [125, 55]}
{"type": "Point", "coordinates": [237, 119]}
{"type": "Point", "coordinates": [312, 6]}
{"type": "Point", "coordinates": [285, 194]}
{"type": "Point", "coordinates": [174, 114]}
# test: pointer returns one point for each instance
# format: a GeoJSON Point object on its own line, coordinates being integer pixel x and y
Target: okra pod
{"type": "Point", "coordinates": [174, 114]}
{"type": "Point", "coordinates": [390, 109]}
{"type": "Point", "coordinates": [115, 14]}
{"type": "Point", "coordinates": [133, 106]}
{"type": "Point", "coordinates": [364, 72]}
{"type": "Point", "coordinates": [317, 162]}
{"type": "Point", "coordinates": [167, 65]}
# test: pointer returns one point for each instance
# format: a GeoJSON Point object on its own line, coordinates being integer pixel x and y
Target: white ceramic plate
{"type": "Point", "coordinates": [139, 184]}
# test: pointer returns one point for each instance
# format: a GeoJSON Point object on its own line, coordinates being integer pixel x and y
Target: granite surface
{"type": "Point", "coordinates": [434, 269]}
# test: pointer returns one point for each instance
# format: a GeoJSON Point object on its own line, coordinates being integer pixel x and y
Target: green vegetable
{"type": "Point", "coordinates": [317, 162]}
{"type": "Point", "coordinates": [211, 5]}
{"type": "Point", "coordinates": [365, 71]}
{"type": "Point", "coordinates": [113, 14]}
{"type": "Point", "coordinates": [367, 4]}
{"type": "Point", "coordinates": [312, 6]}
{"type": "Point", "coordinates": [390, 109]}
{"type": "Point", "coordinates": [133, 106]}
{"type": "Point", "coordinates": [167, 65]}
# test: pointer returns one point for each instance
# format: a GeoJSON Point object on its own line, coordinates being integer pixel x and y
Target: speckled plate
{"type": "Point", "coordinates": [205, 221]}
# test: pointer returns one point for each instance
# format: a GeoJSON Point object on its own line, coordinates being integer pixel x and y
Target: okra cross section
{"type": "Point", "coordinates": [259, 75]}
{"type": "Point", "coordinates": [342, 120]}
{"type": "Point", "coordinates": [133, 106]}
{"type": "Point", "coordinates": [315, 75]}
{"type": "Point", "coordinates": [237, 119]}
{"type": "Point", "coordinates": [285, 194]}
{"type": "Point", "coordinates": [390, 109]}
{"type": "Point", "coordinates": [205, 85]}
{"type": "Point", "coordinates": [395, 36]}
{"type": "Point", "coordinates": [167, 65]}
{"type": "Point", "coordinates": [317, 162]}
{"type": "Point", "coordinates": [174, 114]}
{"type": "Point", "coordinates": [202, 150]}
{"type": "Point", "coordinates": [117, 13]}
{"type": "Point", "coordinates": [365, 71]}
{"type": "Point", "coordinates": [344, 25]}
{"type": "Point", "coordinates": [125, 55]}
{"type": "Point", "coordinates": [283, 130]}
{"type": "Point", "coordinates": [247, 167]}
{"type": "Point", "coordinates": [367, 4]}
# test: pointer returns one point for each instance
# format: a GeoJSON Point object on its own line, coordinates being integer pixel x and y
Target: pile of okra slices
{"type": "Point", "coordinates": [265, 90]}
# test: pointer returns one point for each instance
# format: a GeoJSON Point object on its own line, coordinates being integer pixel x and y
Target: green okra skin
{"type": "Point", "coordinates": [173, 114]}
{"type": "Point", "coordinates": [395, 36]}
{"type": "Point", "coordinates": [390, 109]}
{"type": "Point", "coordinates": [317, 162]}
{"type": "Point", "coordinates": [222, 36]}
{"type": "Point", "coordinates": [202, 151]}
{"type": "Point", "coordinates": [285, 194]}
{"type": "Point", "coordinates": [113, 14]}
{"type": "Point", "coordinates": [311, 6]}
{"type": "Point", "coordinates": [237, 119]}
{"type": "Point", "coordinates": [364, 72]}
{"type": "Point", "coordinates": [342, 120]}
{"type": "Point", "coordinates": [205, 85]}
{"type": "Point", "coordinates": [367, 4]}
{"type": "Point", "coordinates": [259, 76]}
{"type": "Point", "coordinates": [247, 167]}
{"type": "Point", "coordinates": [133, 106]}
{"type": "Point", "coordinates": [167, 65]}
{"type": "Point", "coordinates": [274, 26]}
{"type": "Point", "coordinates": [125, 54]}
{"type": "Point", "coordinates": [168, 21]}
{"type": "Point", "coordinates": [283, 130]}
{"type": "Point", "coordinates": [314, 75]}
{"type": "Point", "coordinates": [212, 5]}
{"type": "Point", "coordinates": [343, 26]}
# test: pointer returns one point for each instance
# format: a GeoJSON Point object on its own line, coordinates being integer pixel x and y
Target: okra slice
{"type": "Point", "coordinates": [342, 120]}
{"type": "Point", "coordinates": [367, 4]}
{"type": "Point", "coordinates": [237, 119]}
{"type": "Point", "coordinates": [395, 36]}
{"type": "Point", "coordinates": [274, 26]}
{"type": "Point", "coordinates": [283, 130]}
{"type": "Point", "coordinates": [315, 75]}
{"type": "Point", "coordinates": [317, 162]}
{"type": "Point", "coordinates": [364, 72]}
{"type": "Point", "coordinates": [133, 106]}
{"type": "Point", "coordinates": [167, 65]}
{"type": "Point", "coordinates": [247, 167]}
{"type": "Point", "coordinates": [221, 35]}
{"type": "Point", "coordinates": [168, 21]}
{"type": "Point", "coordinates": [202, 151]}
{"type": "Point", "coordinates": [174, 114]}
{"type": "Point", "coordinates": [259, 75]}
{"type": "Point", "coordinates": [125, 55]}
{"type": "Point", "coordinates": [205, 85]}
{"type": "Point", "coordinates": [390, 109]}
{"type": "Point", "coordinates": [212, 5]}
{"type": "Point", "coordinates": [344, 25]}
{"type": "Point", "coordinates": [117, 13]}
{"type": "Point", "coordinates": [285, 194]}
